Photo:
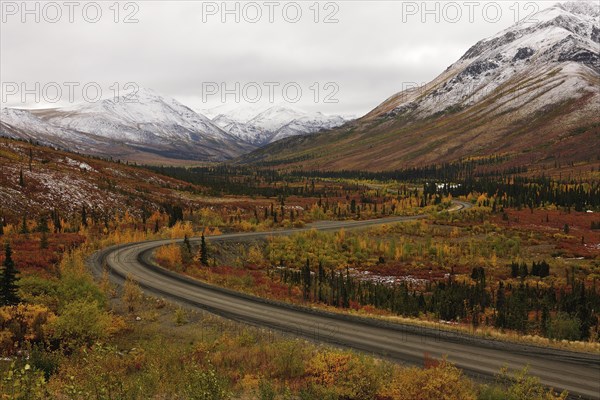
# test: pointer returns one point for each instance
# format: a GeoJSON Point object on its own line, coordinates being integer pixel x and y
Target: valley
{"type": "Point", "coordinates": [438, 240]}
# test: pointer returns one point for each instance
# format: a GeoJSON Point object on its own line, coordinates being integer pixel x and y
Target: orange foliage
{"type": "Point", "coordinates": [22, 323]}
{"type": "Point", "coordinates": [441, 382]}
{"type": "Point", "coordinates": [169, 256]}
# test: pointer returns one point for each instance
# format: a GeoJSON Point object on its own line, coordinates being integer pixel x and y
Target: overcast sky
{"type": "Point", "coordinates": [366, 52]}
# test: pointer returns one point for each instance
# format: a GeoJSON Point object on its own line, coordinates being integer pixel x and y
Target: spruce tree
{"type": "Point", "coordinates": [43, 224]}
{"type": "Point", "coordinates": [84, 216]}
{"type": "Point", "coordinates": [24, 229]}
{"type": "Point", "coordinates": [203, 251]}
{"type": "Point", "coordinates": [8, 287]}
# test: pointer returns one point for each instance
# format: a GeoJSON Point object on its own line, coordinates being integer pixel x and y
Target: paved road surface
{"type": "Point", "coordinates": [578, 373]}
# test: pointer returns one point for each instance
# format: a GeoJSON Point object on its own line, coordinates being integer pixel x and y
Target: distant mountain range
{"type": "Point", "coordinates": [274, 123]}
{"type": "Point", "coordinates": [149, 127]}
{"type": "Point", "coordinates": [530, 94]}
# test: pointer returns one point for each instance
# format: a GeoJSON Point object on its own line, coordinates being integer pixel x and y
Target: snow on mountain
{"type": "Point", "coordinates": [244, 131]}
{"type": "Point", "coordinates": [235, 111]}
{"type": "Point", "coordinates": [274, 123]}
{"type": "Point", "coordinates": [308, 124]}
{"type": "Point", "coordinates": [547, 58]}
{"type": "Point", "coordinates": [140, 117]}
{"type": "Point", "coordinates": [24, 124]}
{"type": "Point", "coordinates": [142, 122]}
{"type": "Point", "coordinates": [275, 117]}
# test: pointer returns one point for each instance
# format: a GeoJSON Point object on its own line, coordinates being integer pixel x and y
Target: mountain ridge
{"type": "Point", "coordinates": [274, 123]}
{"type": "Point", "coordinates": [139, 127]}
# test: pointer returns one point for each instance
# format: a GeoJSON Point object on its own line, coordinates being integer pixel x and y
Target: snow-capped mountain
{"type": "Point", "coordinates": [141, 117]}
{"type": "Point", "coordinates": [547, 58]}
{"type": "Point", "coordinates": [530, 93]}
{"type": "Point", "coordinates": [235, 111]}
{"type": "Point", "coordinates": [274, 123]}
{"type": "Point", "coordinates": [244, 131]}
{"type": "Point", "coordinates": [143, 122]}
{"type": "Point", "coordinates": [307, 124]}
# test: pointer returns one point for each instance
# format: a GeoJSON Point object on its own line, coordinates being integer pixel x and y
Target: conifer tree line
{"type": "Point", "coordinates": [523, 306]}
{"type": "Point", "coordinates": [461, 177]}
{"type": "Point", "coordinates": [520, 192]}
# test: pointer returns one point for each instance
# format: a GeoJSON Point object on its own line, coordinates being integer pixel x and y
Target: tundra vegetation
{"type": "Point", "coordinates": [66, 335]}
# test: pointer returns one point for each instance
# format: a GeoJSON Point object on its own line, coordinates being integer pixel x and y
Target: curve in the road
{"type": "Point", "coordinates": [579, 373]}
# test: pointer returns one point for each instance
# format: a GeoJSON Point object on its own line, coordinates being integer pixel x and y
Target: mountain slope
{"type": "Point", "coordinates": [145, 126]}
{"type": "Point", "coordinates": [66, 182]}
{"type": "Point", "coordinates": [529, 93]}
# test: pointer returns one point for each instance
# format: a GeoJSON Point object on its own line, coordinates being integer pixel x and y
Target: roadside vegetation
{"type": "Point", "coordinates": [66, 335]}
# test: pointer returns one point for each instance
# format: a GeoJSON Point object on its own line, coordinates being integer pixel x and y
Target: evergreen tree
{"type": "Point", "coordinates": [1, 227]}
{"type": "Point", "coordinates": [523, 272]}
{"type": "Point", "coordinates": [84, 216]}
{"type": "Point", "coordinates": [56, 221]}
{"type": "Point", "coordinates": [8, 287]}
{"type": "Point", "coordinates": [203, 251]}
{"type": "Point", "coordinates": [43, 224]}
{"type": "Point", "coordinates": [306, 280]}
{"type": "Point", "coordinates": [24, 229]}
{"type": "Point", "coordinates": [21, 179]}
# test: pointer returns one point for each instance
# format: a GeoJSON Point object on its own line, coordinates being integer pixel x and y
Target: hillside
{"type": "Point", "coordinates": [66, 182]}
{"type": "Point", "coordinates": [529, 94]}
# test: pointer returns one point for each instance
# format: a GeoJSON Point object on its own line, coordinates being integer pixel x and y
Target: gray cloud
{"type": "Point", "coordinates": [369, 53]}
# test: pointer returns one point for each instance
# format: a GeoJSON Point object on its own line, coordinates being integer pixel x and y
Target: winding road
{"type": "Point", "coordinates": [579, 373]}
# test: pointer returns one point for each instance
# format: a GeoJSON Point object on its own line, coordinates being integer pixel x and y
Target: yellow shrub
{"type": "Point", "coordinates": [444, 382]}
{"type": "Point", "coordinates": [24, 322]}
{"type": "Point", "coordinates": [169, 256]}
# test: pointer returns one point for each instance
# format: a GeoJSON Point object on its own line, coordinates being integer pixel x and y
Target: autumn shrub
{"type": "Point", "coordinates": [97, 373]}
{"type": "Point", "coordinates": [288, 358]}
{"type": "Point", "coordinates": [44, 360]}
{"type": "Point", "coordinates": [37, 290]}
{"type": "Point", "coordinates": [81, 322]}
{"type": "Point", "coordinates": [443, 382]}
{"type": "Point", "coordinates": [22, 323]}
{"type": "Point", "coordinates": [313, 391]}
{"type": "Point", "coordinates": [75, 286]}
{"type": "Point", "coordinates": [132, 294]}
{"type": "Point", "coordinates": [519, 385]}
{"type": "Point", "coordinates": [169, 256]}
{"type": "Point", "coordinates": [266, 391]}
{"type": "Point", "coordinates": [350, 376]}
{"type": "Point", "coordinates": [205, 384]}
{"type": "Point", "coordinates": [563, 326]}
{"type": "Point", "coordinates": [180, 317]}
{"type": "Point", "coordinates": [22, 383]}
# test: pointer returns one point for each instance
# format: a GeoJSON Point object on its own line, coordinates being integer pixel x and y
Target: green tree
{"type": "Point", "coordinates": [8, 278]}
{"type": "Point", "coordinates": [24, 229]}
{"type": "Point", "coordinates": [203, 251]}
{"type": "Point", "coordinates": [84, 221]}
{"type": "Point", "coordinates": [186, 251]}
{"type": "Point", "coordinates": [43, 224]}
